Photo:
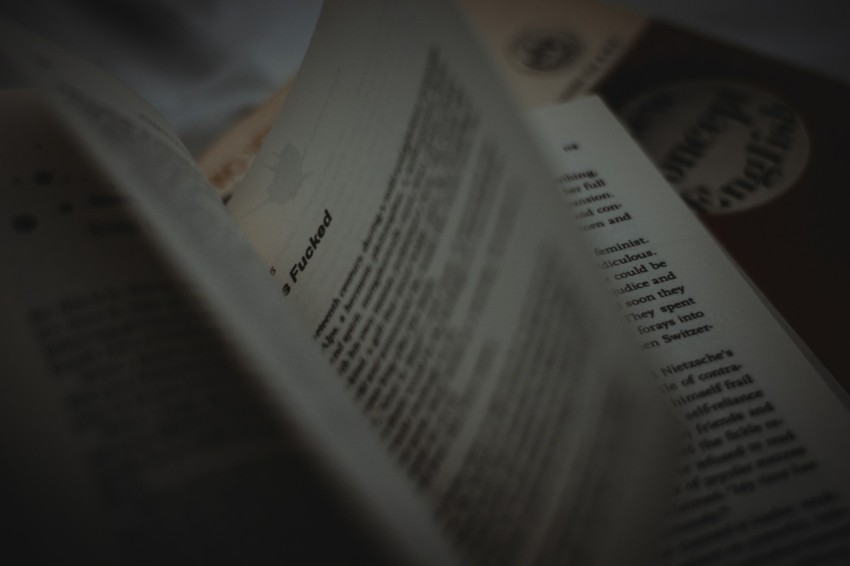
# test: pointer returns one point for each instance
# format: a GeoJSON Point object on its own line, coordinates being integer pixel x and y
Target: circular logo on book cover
{"type": "Point", "coordinates": [544, 51]}
{"type": "Point", "coordinates": [724, 146]}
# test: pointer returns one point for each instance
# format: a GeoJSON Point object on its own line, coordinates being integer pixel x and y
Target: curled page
{"type": "Point", "coordinates": [404, 212]}
{"type": "Point", "coordinates": [162, 403]}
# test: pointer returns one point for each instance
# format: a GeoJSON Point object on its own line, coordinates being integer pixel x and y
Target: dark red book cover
{"type": "Point", "coordinates": [759, 149]}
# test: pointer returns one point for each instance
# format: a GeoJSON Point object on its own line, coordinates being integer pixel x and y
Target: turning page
{"type": "Point", "coordinates": [161, 403]}
{"type": "Point", "coordinates": [405, 214]}
{"type": "Point", "coordinates": [765, 474]}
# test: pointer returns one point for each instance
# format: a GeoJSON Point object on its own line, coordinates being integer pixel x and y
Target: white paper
{"type": "Point", "coordinates": [766, 471]}
{"type": "Point", "coordinates": [404, 213]}
{"type": "Point", "coordinates": [178, 234]}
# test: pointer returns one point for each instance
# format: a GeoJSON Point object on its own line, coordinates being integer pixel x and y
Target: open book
{"type": "Point", "coordinates": [401, 341]}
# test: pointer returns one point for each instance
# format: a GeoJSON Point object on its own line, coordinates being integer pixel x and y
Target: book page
{"type": "Point", "coordinates": [765, 473]}
{"type": "Point", "coordinates": [765, 182]}
{"type": "Point", "coordinates": [128, 432]}
{"type": "Point", "coordinates": [404, 213]}
{"type": "Point", "coordinates": [162, 404]}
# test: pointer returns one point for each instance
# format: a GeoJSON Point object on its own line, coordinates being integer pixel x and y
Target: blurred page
{"type": "Point", "coordinates": [164, 404]}
{"type": "Point", "coordinates": [405, 214]}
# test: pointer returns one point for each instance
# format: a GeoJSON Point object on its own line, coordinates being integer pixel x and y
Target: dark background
{"type": "Point", "coordinates": [203, 63]}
